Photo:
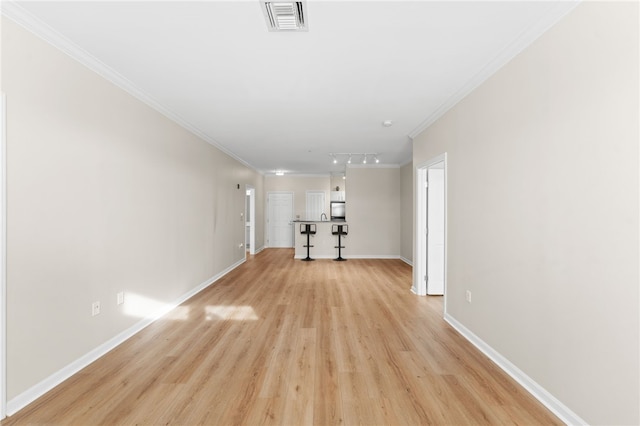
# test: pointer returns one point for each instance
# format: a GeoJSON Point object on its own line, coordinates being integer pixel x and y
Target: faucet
{"type": "Point", "coordinates": [325, 217]}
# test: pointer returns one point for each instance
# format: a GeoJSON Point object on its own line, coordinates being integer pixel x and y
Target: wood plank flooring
{"type": "Point", "coordinates": [286, 342]}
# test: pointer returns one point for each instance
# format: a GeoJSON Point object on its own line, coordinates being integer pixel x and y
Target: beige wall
{"type": "Point", "coordinates": [338, 181]}
{"type": "Point", "coordinates": [373, 212]}
{"type": "Point", "coordinates": [406, 212]}
{"type": "Point", "coordinates": [543, 211]}
{"type": "Point", "coordinates": [104, 195]}
{"type": "Point", "coordinates": [299, 185]}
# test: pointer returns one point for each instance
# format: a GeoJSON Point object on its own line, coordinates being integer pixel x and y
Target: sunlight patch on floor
{"type": "Point", "coordinates": [230, 312]}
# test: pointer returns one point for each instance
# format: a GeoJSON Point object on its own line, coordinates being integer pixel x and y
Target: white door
{"type": "Point", "coordinates": [280, 219]}
{"type": "Point", "coordinates": [315, 205]}
{"type": "Point", "coordinates": [250, 217]}
{"type": "Point", "coordinates": [435, 230]}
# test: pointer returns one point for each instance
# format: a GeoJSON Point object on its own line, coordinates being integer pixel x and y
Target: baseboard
{"type": "Point", "coordinates": [407, 261]}
{"type": "Point", "coordinates": [538, 392]}
{"type": "Point", "coordinates": [39, 389]}
{"type": "Point", "coordinates": [351, 256]}
{"type": "Point", "coordinates": [372, 256]}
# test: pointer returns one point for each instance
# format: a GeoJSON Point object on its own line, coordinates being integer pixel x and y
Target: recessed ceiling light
{"type": "Point", "coordinates": [387, 123]}
{"type": "Point", "coordinates": [279, 173]}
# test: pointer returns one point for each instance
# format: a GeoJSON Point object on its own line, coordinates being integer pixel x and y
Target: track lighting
{"type": "Point", "coordinates": [347, 157]}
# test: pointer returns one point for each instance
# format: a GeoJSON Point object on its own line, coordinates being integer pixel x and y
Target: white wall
{"type": "Point", "coordinates": [104, 195]}
{"type": "Point", "coordinates": [373, 212]}
{"type": "Point", "coordinates": [543, 211]}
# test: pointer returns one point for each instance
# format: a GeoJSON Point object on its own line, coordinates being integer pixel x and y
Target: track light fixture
{"type": "Point", "coordinates": [347, 157]}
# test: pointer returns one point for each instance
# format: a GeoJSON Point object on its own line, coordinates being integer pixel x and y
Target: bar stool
{"type": "Point", "coordinates": [339, 230]}
{"type": "Point", "coordinates": [309, 229]}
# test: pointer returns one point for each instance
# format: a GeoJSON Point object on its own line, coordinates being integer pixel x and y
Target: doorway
{"type": "Point", "coordinates": [431, 231]}
{"type": "Point", "coordinates": [250, 220]}
{"type": "Point", "coordinates": [280, 219]}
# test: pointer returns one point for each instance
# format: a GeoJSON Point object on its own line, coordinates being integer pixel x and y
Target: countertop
{"type": "Point", "coordinates": [320, 221]}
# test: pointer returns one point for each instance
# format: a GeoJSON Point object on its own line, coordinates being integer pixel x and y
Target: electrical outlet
{"type": "Point", "coordinates": [120, 297]}
{"type": "Point", "coordinates": [95, 308]}
{"type": "Point", "coordinates": [467, 296]}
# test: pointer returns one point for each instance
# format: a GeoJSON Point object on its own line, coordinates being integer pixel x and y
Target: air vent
{"type": "Point", "coordinates": [285, 16]}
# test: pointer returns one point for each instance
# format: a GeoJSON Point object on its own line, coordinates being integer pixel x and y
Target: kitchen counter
{"type": "Point", "coordinates": [323, 242]}
{"type": "Point", "coordinates": [338, 222]}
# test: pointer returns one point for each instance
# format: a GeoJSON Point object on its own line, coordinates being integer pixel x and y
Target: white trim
{"type": "Point", "coordinates": [419, 286]}
{"type": "Point", "coordinates": [252, 220]}
{"type": "Point", "coordinates": [407, 261]}
{"type": "Point", "coordinates": [298, 175]}
{"type": "Point", "coordinates": [373, 166]}
{"type": "Point", "coordinates": [22, 17]}
{"type": "Point", "coordinates": [524, 39]}
{"type": "Point", "coordinates": [353, 256]}
{"type": "Point", "coordinates": [537, 391]}
{"type": "Point", "coordinates": [55, 379]}
{"type": "Point", "coordinates": [3, 257]}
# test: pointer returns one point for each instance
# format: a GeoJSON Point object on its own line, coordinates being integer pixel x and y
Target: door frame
{"type": "Point", "coordinates": [3, 256]}
{"type": "Point", "coordinates": [268, 219]}
{"type": "Point", "coordinates": [420, 269]}
{"type": "Point", "coordinates": [252, 219]}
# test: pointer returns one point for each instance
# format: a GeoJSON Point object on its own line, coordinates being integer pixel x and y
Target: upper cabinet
{"type": "Point", "coordinates": [338, 196]}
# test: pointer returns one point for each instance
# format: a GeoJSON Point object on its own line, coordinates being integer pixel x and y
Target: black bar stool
{"type": "Point", "coordinates": [309, 229]}
{"type": "Point", "coordinates": [339, 230]}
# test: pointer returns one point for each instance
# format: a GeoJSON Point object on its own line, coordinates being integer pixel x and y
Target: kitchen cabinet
{"type": "Point", "coordinates": [338, 196]}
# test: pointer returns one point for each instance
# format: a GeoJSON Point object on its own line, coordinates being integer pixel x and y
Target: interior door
{"type": "Point", "coordinates": [315, 205]}
{"type": "Point", "coordinates": [435, 230]}
{"type": "Point", "coordinates": [280, 219]}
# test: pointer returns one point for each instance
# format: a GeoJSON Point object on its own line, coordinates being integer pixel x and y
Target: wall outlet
{"type": "Point", "coordinates": [120, 297]}
{"type": "Point", "coordinates": [467, 296]}
{"type": "Point", "coordinates": [95, 308]}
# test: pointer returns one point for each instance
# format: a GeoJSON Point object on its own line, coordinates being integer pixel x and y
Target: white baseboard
{"type": "Point", "coordinates": [372, 256]}
{"type": "Point", "coordinates": [407, 261]}
{"type": "Point", "coordinates": [351, 256]}
{"type": "Point", "coordinates": [39, 389]}
{"type": "Point", "coordinates": [538, 392]}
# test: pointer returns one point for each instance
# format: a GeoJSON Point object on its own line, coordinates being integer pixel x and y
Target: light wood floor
{"type": "Point", "coordinates": [281, 341]}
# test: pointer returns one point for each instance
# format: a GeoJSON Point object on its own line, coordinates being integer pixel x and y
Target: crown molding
{"type": "Point", "coordinates": [525, 39]}
{"type": "Point", "coordinates": [373, 166]}
{"type": "Point", "coordinates": [13, 11]}
{"type": "Point", "coordinates": [298, 175]}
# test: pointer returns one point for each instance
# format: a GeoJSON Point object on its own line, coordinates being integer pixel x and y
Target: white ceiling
{"type": "Point", "coordinates": [286, 100]}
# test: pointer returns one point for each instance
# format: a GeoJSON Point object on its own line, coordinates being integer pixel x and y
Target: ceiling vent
{"type": "Point", "coordinates": [285, 16]}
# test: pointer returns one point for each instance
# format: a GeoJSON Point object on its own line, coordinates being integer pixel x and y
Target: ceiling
{"type": "Point", "coordinates": [285, 101]}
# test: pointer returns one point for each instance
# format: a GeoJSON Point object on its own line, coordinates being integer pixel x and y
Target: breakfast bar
{"type": "Point", "coordinates": [323, 241]}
